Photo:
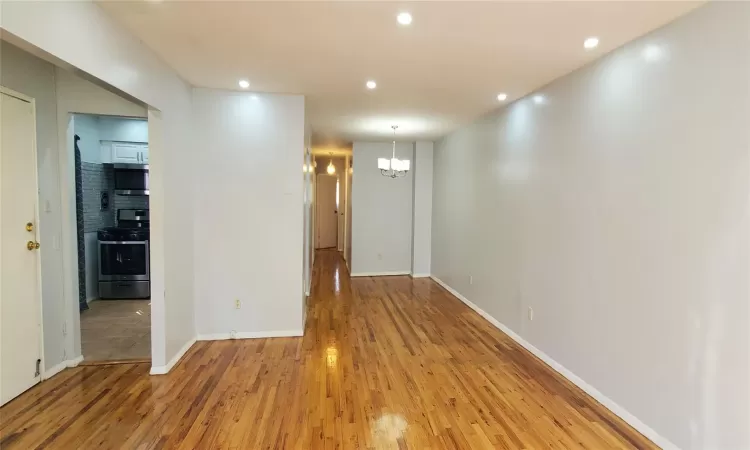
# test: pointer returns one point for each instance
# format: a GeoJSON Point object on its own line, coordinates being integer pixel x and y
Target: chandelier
{"type": "Point", "coordinates": [394, 168]}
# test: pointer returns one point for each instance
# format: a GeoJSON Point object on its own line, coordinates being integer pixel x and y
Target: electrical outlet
{"type": "Point", "coordinates": [237, 303]}
{"type": "Point", "coordinates": [531, 313]}
{"type": "Point", "coordinates": [233, 334]}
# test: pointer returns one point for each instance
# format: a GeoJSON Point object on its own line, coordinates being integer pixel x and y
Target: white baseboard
{"type": "Point", "coordinates": [161, 370]}
{"type": "Point", "coordinates": [380, 274]}
{"type": "Point", "coordinates": [420, 275]}
{"type": "Point", "coordinates": [249, 335]}
{"type": "Point", "coordinates": [54, 370]}
{"type": "Point", "coordinates": [608, 403]}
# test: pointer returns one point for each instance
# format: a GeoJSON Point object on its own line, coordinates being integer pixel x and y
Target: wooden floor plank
{"type": "Point", "coordinates": [385, 363]}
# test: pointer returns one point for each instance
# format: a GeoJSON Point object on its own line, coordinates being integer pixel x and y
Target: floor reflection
{"type": "Point", "coordinates": [388, 428]}
{"type": "Point", "coordinates": [332, 356]}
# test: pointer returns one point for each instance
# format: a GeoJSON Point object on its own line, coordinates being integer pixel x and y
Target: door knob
{"type": "Point", "coordinates": [31, 245]}
{"type": "Point", "coordinates": [29, 227]}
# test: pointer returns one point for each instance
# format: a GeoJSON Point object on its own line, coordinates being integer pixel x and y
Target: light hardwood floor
{"type": "Point", "coordinates": [385, 363]}
{"type": "Point", "coordinates": [116, 330]}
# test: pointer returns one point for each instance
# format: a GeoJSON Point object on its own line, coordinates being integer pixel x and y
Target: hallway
{"type": "Point", "coordinates": [389, 362]}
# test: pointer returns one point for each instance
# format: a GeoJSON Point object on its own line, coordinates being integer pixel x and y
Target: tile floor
{"type": "Point", "coordinates": [116, 330]}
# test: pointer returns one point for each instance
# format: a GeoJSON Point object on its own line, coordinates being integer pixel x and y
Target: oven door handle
{"type": "Point", "coordinates": [124, 242]}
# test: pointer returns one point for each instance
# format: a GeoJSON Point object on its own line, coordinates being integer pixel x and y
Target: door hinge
{"type": "Point", "coordinates": [38, 368]}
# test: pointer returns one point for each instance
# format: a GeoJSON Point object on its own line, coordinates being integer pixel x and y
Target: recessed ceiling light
{"type": "Point", "coordinates": [244, 84]}
{"type": "Point", "coordinates": [371, 84]}
{"type": "Point", "coordinates": [404, 18]}
{"type": "Point", "coordinates": [590, 43]}
{"type": "Point", "coordinates": [501, 97]}
{"type": "Point", "coordinates": [538, 99]}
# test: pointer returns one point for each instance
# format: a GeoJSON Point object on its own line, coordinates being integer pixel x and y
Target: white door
{"type": "Point", "coordinates": [327, 214]}
{"type": "Point", "coordinates": [126, 153]}
{"type": "Point", "coordinates": [20, 332]}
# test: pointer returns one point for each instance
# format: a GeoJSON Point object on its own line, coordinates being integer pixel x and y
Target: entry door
{"type": "Point", "coordinates": [19, 265]}
{"type": "Point", "coordinates": [327, 213]}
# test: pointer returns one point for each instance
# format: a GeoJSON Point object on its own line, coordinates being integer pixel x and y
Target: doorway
{"type": "Point", "coordinates": [327, 211]}
{"type": "Point", "coordinates": [21, 360]}
{"type": "Point", "coordinates": [112, 210]}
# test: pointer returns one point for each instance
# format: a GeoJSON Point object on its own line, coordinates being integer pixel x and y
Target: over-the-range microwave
{"type": "Point", "coordinates": [131, 179]}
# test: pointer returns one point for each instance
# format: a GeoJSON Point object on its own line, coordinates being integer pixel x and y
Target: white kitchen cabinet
{"type": "Point", "coordinates": [125, 153]}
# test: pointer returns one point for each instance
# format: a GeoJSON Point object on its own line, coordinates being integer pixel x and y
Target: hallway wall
{"type": "Point", "coordinates": [248, 240]}
{"type": "Point", "coordinates": [616, 207]}
{"type": "Point", "coordinates": [381, 212]}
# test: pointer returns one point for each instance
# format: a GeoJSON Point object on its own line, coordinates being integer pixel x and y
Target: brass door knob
{"type": "Point", "coordinates": [31, 245]}
{"type": "Point", "coordinates": [29, 226]}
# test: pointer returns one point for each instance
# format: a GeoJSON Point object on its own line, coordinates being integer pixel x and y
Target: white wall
{"type": "Point", "coordinates": [121, 129]}
{"type": "Point", "coordinates": [248, 215]}
{"type": "Point", "coordinates": [422, 209]}
{"type": "Point", "coordinates": [62, 31]}
{"type": "Point", "coordinates": [29, 75]}
{"type": "Point", "coordinates": [381, 212]}
{"type": "Point", "coordinates": [618, 210]}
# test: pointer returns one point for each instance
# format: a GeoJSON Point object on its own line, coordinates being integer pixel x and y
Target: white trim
{"type": "Point", "coordinates": [608, 403]}
{"type": "Point", "coordinates": [420, 275]}
{"type": "Point", "coordinates": [380, 274]}
{"type": "Point", "coordinates": [249, 335]}
{"type": "Point", "coordinates": [60, 367]}
{"type": "Point", "coordinates": [161, 370]}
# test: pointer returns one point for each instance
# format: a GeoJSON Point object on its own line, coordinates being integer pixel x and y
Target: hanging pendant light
{"type": "Point", "coordinates": [393, 168]}
{"type": "Point", "coordinates": [331, 169]}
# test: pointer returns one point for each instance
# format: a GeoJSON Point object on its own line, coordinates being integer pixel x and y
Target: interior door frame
{"type": "Point", "coordinates": [37, 234]}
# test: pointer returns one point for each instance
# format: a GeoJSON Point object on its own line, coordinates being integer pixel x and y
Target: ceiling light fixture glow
{"type": "Point", "coordinates": [590, 43]}
{"type": "Point", "coordinates": [371, 84]}
{"type": "Point", "coordinates": [538, 99]}
{"type": "Point", "coordinates": [501, 97]}
{"type": "Point", "coordinates": [653, 53]}
{"type": "Point", "coordinates": [404, 18]}
{"type": "Point", "coordinates": [244, 84]}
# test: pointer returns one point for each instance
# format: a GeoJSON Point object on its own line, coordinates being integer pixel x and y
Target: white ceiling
{"type": "Point", "coordinates": [443, 70]}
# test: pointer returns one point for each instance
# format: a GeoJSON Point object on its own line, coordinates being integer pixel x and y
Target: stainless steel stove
{"type": "Point", "coordinates": [124, 256]}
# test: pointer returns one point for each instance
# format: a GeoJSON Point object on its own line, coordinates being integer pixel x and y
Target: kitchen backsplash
{"type": "Point", "coordinates": [95, 179]}
{"type": "Point", "coordinates": [98, 178]}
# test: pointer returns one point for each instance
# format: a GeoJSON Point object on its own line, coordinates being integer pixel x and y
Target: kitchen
{"type": "Point", "coordinates": [112, 210]}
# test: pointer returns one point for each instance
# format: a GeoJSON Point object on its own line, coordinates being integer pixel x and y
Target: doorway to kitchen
{"type": "Point", "coordinates": [112, 212]}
